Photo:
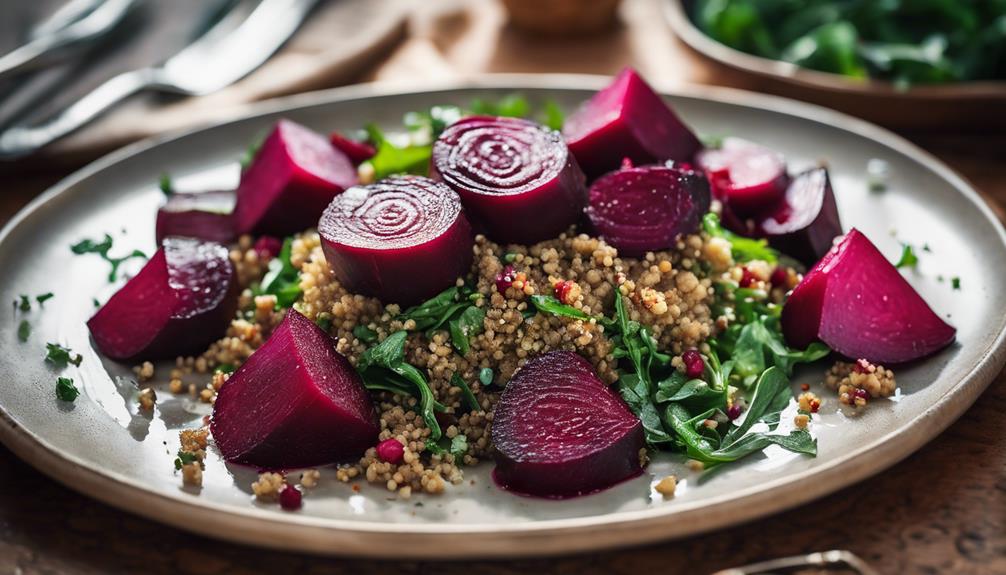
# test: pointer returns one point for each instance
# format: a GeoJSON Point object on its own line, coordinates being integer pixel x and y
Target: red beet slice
{"type": "Point", "coordinates": [296, 402]}
{"type": "Point", "coordinates": [559, 431]}
{"type": "Point", "coordinates": [293, 177]}
{"type": "Point", "coordinates": [747, 177]}
{"type": "Point", "coordinates": [645, 209]}
{"type": "Point", "coordinates": [401, 240]}
{"type": "Point", "coordinates": [855, 301]}
{"type": "Point", "coordinates": [805, 223]}
{"type": "Point", "coordinates": [627, 120]}
{"type": "Point", "coordinates": [204, 215]}
{"type": "Point", "coordinates": [181, 301]}
{"type": "Point", "coordinates": [357, 152]}
{"type": "Point", "coordinates": [516, 178]}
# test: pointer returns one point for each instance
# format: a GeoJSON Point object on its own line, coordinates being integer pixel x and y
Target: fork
{"type": "Point", "coordinates": [227, 52]}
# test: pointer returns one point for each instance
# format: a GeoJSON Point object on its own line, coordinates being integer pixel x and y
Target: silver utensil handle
{"type": "Point", "coordinates": [21, 140]}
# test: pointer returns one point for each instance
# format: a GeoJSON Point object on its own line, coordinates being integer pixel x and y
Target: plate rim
{"type": "Point", "coordinates": [358, 538]}
{"type": "Point", "coordinates": [686, 30]}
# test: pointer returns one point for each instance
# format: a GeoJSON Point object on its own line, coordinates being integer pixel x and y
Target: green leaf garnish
{"type": "Point", "coordinates": [184, 458]}
{"type": "Point", "coordinates": [225, 368]}
{"type": "Point", "coordinates": [391, 159]}
{"type": "Point", "coordinates": [24, 330]}
{"type": "Point", "coordinates": [102, 248]}
{"type": "Point", "coordinates": [552, 306]}
{"type": "Point", "coordinates": [42, 298]}
{"type": "Point", "coordinates": [61, 356]}
{"type": "Point", "coordinates": [743, 249]}
{"type": "Point", "coordinates": [23, 303]}
{"type": "Point", "coordinates": [282, 280]}
{"type": "Point", "coordinates": [65, 389]}
{"type": "Point", "coordinates": [164, 183]}
{"type": "Point", "coordinates": [908, 257]}
{"type": "Point", "coordinates": [552, 115]}
{"type": "Point", "coordinates": [364, 334]}
{"type": "Point", "coordinates": [955, 282]}
{"type": "Point", "coordinates": [468, 398]}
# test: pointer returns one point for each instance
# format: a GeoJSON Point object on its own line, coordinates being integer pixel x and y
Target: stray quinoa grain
{"type": "Point", "coordinates": [268, 486]}
{"type": "Point", "coordinates": [857, 383]}
{"type": "Point", "coordinates": [667, 486]}
{"type": "Point", "coordinates": [147, 399]}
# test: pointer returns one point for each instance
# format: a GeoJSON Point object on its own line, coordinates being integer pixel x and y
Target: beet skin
{"type": "Point", "coordinates": [805, 223]}
{"type": "Point", "coordinates": [401, 240]}
{"type": "Point", "coordinates": [559, 431]}
{"type": "Point", "coordinates": [296, 402]}
{"type": "Point", "coordinates": [182, 300]}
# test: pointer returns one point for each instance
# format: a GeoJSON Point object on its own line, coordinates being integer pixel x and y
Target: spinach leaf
{"type": "Point", "coordinates": [552, 306]}
{"type": "Point", "coordinates": [61, 356]}
{"type": "Point", "coordinates": [466, 324]}
{"type": "Point", "coordinates": [743, 249]}
{"type": "Point", "coordinates": [282, 280]}
{"type": "Point", "coordinates": [435, 312]}
{"type": "Point", "coordinates": [364, 333]}
{"type": "Point", "coordinates": [467, 397]}
{"type": "Point", "coordinates": [552, 115]}
{"type": "Point", "coordinates": [66, 390]}
{"type": "Point", "coordinates": [391, 159]}
{"type": "Point", "coordinates": [636, 393]}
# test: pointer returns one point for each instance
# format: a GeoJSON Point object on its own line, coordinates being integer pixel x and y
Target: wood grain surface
{"type": "Point", "coordinates": [942, 510]}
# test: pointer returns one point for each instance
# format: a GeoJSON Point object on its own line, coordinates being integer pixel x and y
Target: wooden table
{"type": "Point", "coordinates": [941, 510]}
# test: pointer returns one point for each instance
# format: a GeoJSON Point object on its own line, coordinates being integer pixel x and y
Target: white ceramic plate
{"type": "Point", "coordinates": [102, 446]}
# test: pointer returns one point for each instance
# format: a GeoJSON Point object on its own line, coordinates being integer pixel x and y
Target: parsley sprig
{"type": "Point", "coordinates": [102, 248]}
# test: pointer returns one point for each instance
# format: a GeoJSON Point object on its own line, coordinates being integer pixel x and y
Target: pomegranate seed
{"type": "Point", "coordinates": [626, 163]}
{"type": "Point", "coordinates": [504, 279]}
{"type": "Point", "coordinates": [779, 277]}
{"type": "Point", "coordinates": [815, 406]}
{"type": "Point", "coordinates": [747, 278]}
{"type": "Point", "coordinates": [861, 393]}
{"type": "Point", "coordinates": [267, 247]}
{"type": "Point", "coordinates": [861, 366]}
{"type": "Point", "coordinates": [734, 411]}
{"type": "Point", "coordinates": [694, 364]}
{"type": "Point", "coordinates": [391, 451]}
{"type": "Point", "coordinates": [290, 498]}
{"type": "Point", "coordinates": [805, 386]}
{"type": "Point", "coordinates": [562, 290]}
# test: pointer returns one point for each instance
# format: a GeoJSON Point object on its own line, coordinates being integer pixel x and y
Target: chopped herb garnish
{"type": "Point", "coordinates": [552, 115]}
{"type": "Point", "coordinates": [712, 141]}
{"type": "Point", "coordinates": [65, 389]}
{"type": "Point", "coordinates": [324, 321]}
{"type": "Point", "coordinates": [95, 301]}
{"type": "Point", "coordinates": [454, 309]}
{"type": "Point", "coordinates": [908, 257]}
{"type": "Point", "coordinates": [225, 368]}
{"type": "Point", "coordinates": [391, 159]}
{"type": "Point", "coordinates": [41, 299]}
{"type": "Point", "coordinates": [184, 458]}
{"type": "Point", "coordinates": [101, 248]}
{"type": "Point", "coordinates": [61, 356]}
{"type": "Point", "coordinates": [955, 282]}
{"type": "Point", "coordinates": [23, 303]}
{"type": "Point", "coordinates": [23, 330]}
{"type": "Point", "coordinates": [164, 183]}
{"type": "Point", "coordinates": [364, 334]}
{"type": "Point", "coordinates": [282, 280]}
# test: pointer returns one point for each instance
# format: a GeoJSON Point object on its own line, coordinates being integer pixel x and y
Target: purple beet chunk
{"type": "Point", "coordinates": [294, 176]}
{"type": "Point", "coordinates": [627, 120]}
{"type": "Point", "coordinates": [296, 402]}
{"type": "Point", "coordinates": [205, 216]}
{"type": "Point", "coordinates": [182, 300]}
{"type": "Point", "coordinates": [357, 152]}
{"type": "Point", "coordinates": [559, 431]}
{"type": "Point", "coordinates": [401, 240]}
{"type": "Point", "coordinates": [645, 209]}
{"type": "Point", "coordinates": [805, 223]}
{"type": "Point", "coordinates": [749, 178]}
{"type": "Point", "coordinates": [517, 180]}
{"type": "Point", "coordinates": [855, 301]}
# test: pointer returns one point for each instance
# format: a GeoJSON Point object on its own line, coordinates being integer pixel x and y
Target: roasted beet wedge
{"type": "Point", "coordinates": [855, 301]}
{"type": "Point", "coordinates": [805, 223]}
{"type": "Point", "coordinates": [181, 301]}
{"type": "Point", "coordinates": [644, 209]}
{"type": "Point", "coordinates": [296, 402]}
{"type": "Point", "coordinates": [401, 240]}
{"type": "Point", "coordinates": [295, 174]}
{"type": "Point", "coordinates": [749, 178]}
{"type": "Point", "coordinates": [357, 152]}
{"type": "Point", "coordinates": [627, 120]}
{"type": "Point", "coordinates": [205, 216]}
{"type": "Point", "coordinates": [559, 431]}
{"type": "Point", "coordinates": [516, 178]}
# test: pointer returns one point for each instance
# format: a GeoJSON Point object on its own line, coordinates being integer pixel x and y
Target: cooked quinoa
{"type": "Point", "coordinates": [858, 382]}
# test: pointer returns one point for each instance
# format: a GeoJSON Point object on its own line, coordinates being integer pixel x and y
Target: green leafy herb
{"type": "Point", "coordinates": [908, 257]}
{"type": "Point", "coordinates": [465, 325]}
{"type": "Point", "coordinates": [65, 389]}
{"type": "Point", "coordinates": [184, 458]}
{"type": "Point", "coordinates": [24, 330]}
{"type": "Point", "coordinates": [225, 368]}
{"type": "Point", "coordinates": [164, 183]}
{"type": "Point", "coordinates": [552, 306]}
{"type": "Point", "coordinates": [383, 368]}
{"type": "Point", "coordinates": [486, 376]}
{"type": "Point", "coordinates": [391, 159]}
{"type": "Point", "coordinates": [743, 249]}
{"type": "Point", "coordinates": [453, 309]}
{"type": "Point", "coordinates": [459, 446]}
{"type": "Point", "coordinates": [282, 280]}
{"type": "Point", "coordinates": [324, 321]}
{"type": "Point", "coordinates": [364, 334]}
{"type": "Point", "coordinates": [23, 303]}
{"type": "Point", "coordinates": [432, 123]}
{"type": "Point", "coordinates": [252, 150]}
{"type": "Point", "coordinates": [102, 248]}
{"type": "Point", "coordinates": [95, 301]}
{"type": "Point", "coordinates": [467, 397]}
{"type": "Point", "coordinates": [42, 298]}
{"type": "Point", "coordinates": [61, 356]}
{"type": "Point", "coordinates": [712, 141]}
{"type": "Point", "coordinates": [512, 105]}
{"type": "Point", "coordinates": [552, 115]}
{"type": "Point", "coordinates": [955, 282]}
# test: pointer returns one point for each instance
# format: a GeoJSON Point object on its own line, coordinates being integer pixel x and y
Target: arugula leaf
{"type": "Point", "coordinates": [364, 334]}
{"type": "Point", "coordinates": [743, 249]}
{"type": "Point", "coordinates": [23, 330]}
{"type": "Point", "coordinates": [771, 396]}
{"type": "Point", "coordinates": [636, 393]}
{"type": "Point", "coordinates": [552, 306]}
{"type": "Point", "coordinates": [61, 356]}
{"type": "Point", "coordinates": [383, 368]}
{"type": "Point", "coordinates": [66, 390]}
{"type": "Point", "coordinates": [436, 311]}
{"type": "Point", "coordinates": [102, 248]}
{"type": "Point", "coordinates": [468, 323]}
{"type": "Point", "coordinates": [282, 280]}
{"type": "Point", "coordinates": [908, 257]}
{"type": "Point", "coordinates": [467, 397]}
{"type": "Point", "coordinates": [390, 159]}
